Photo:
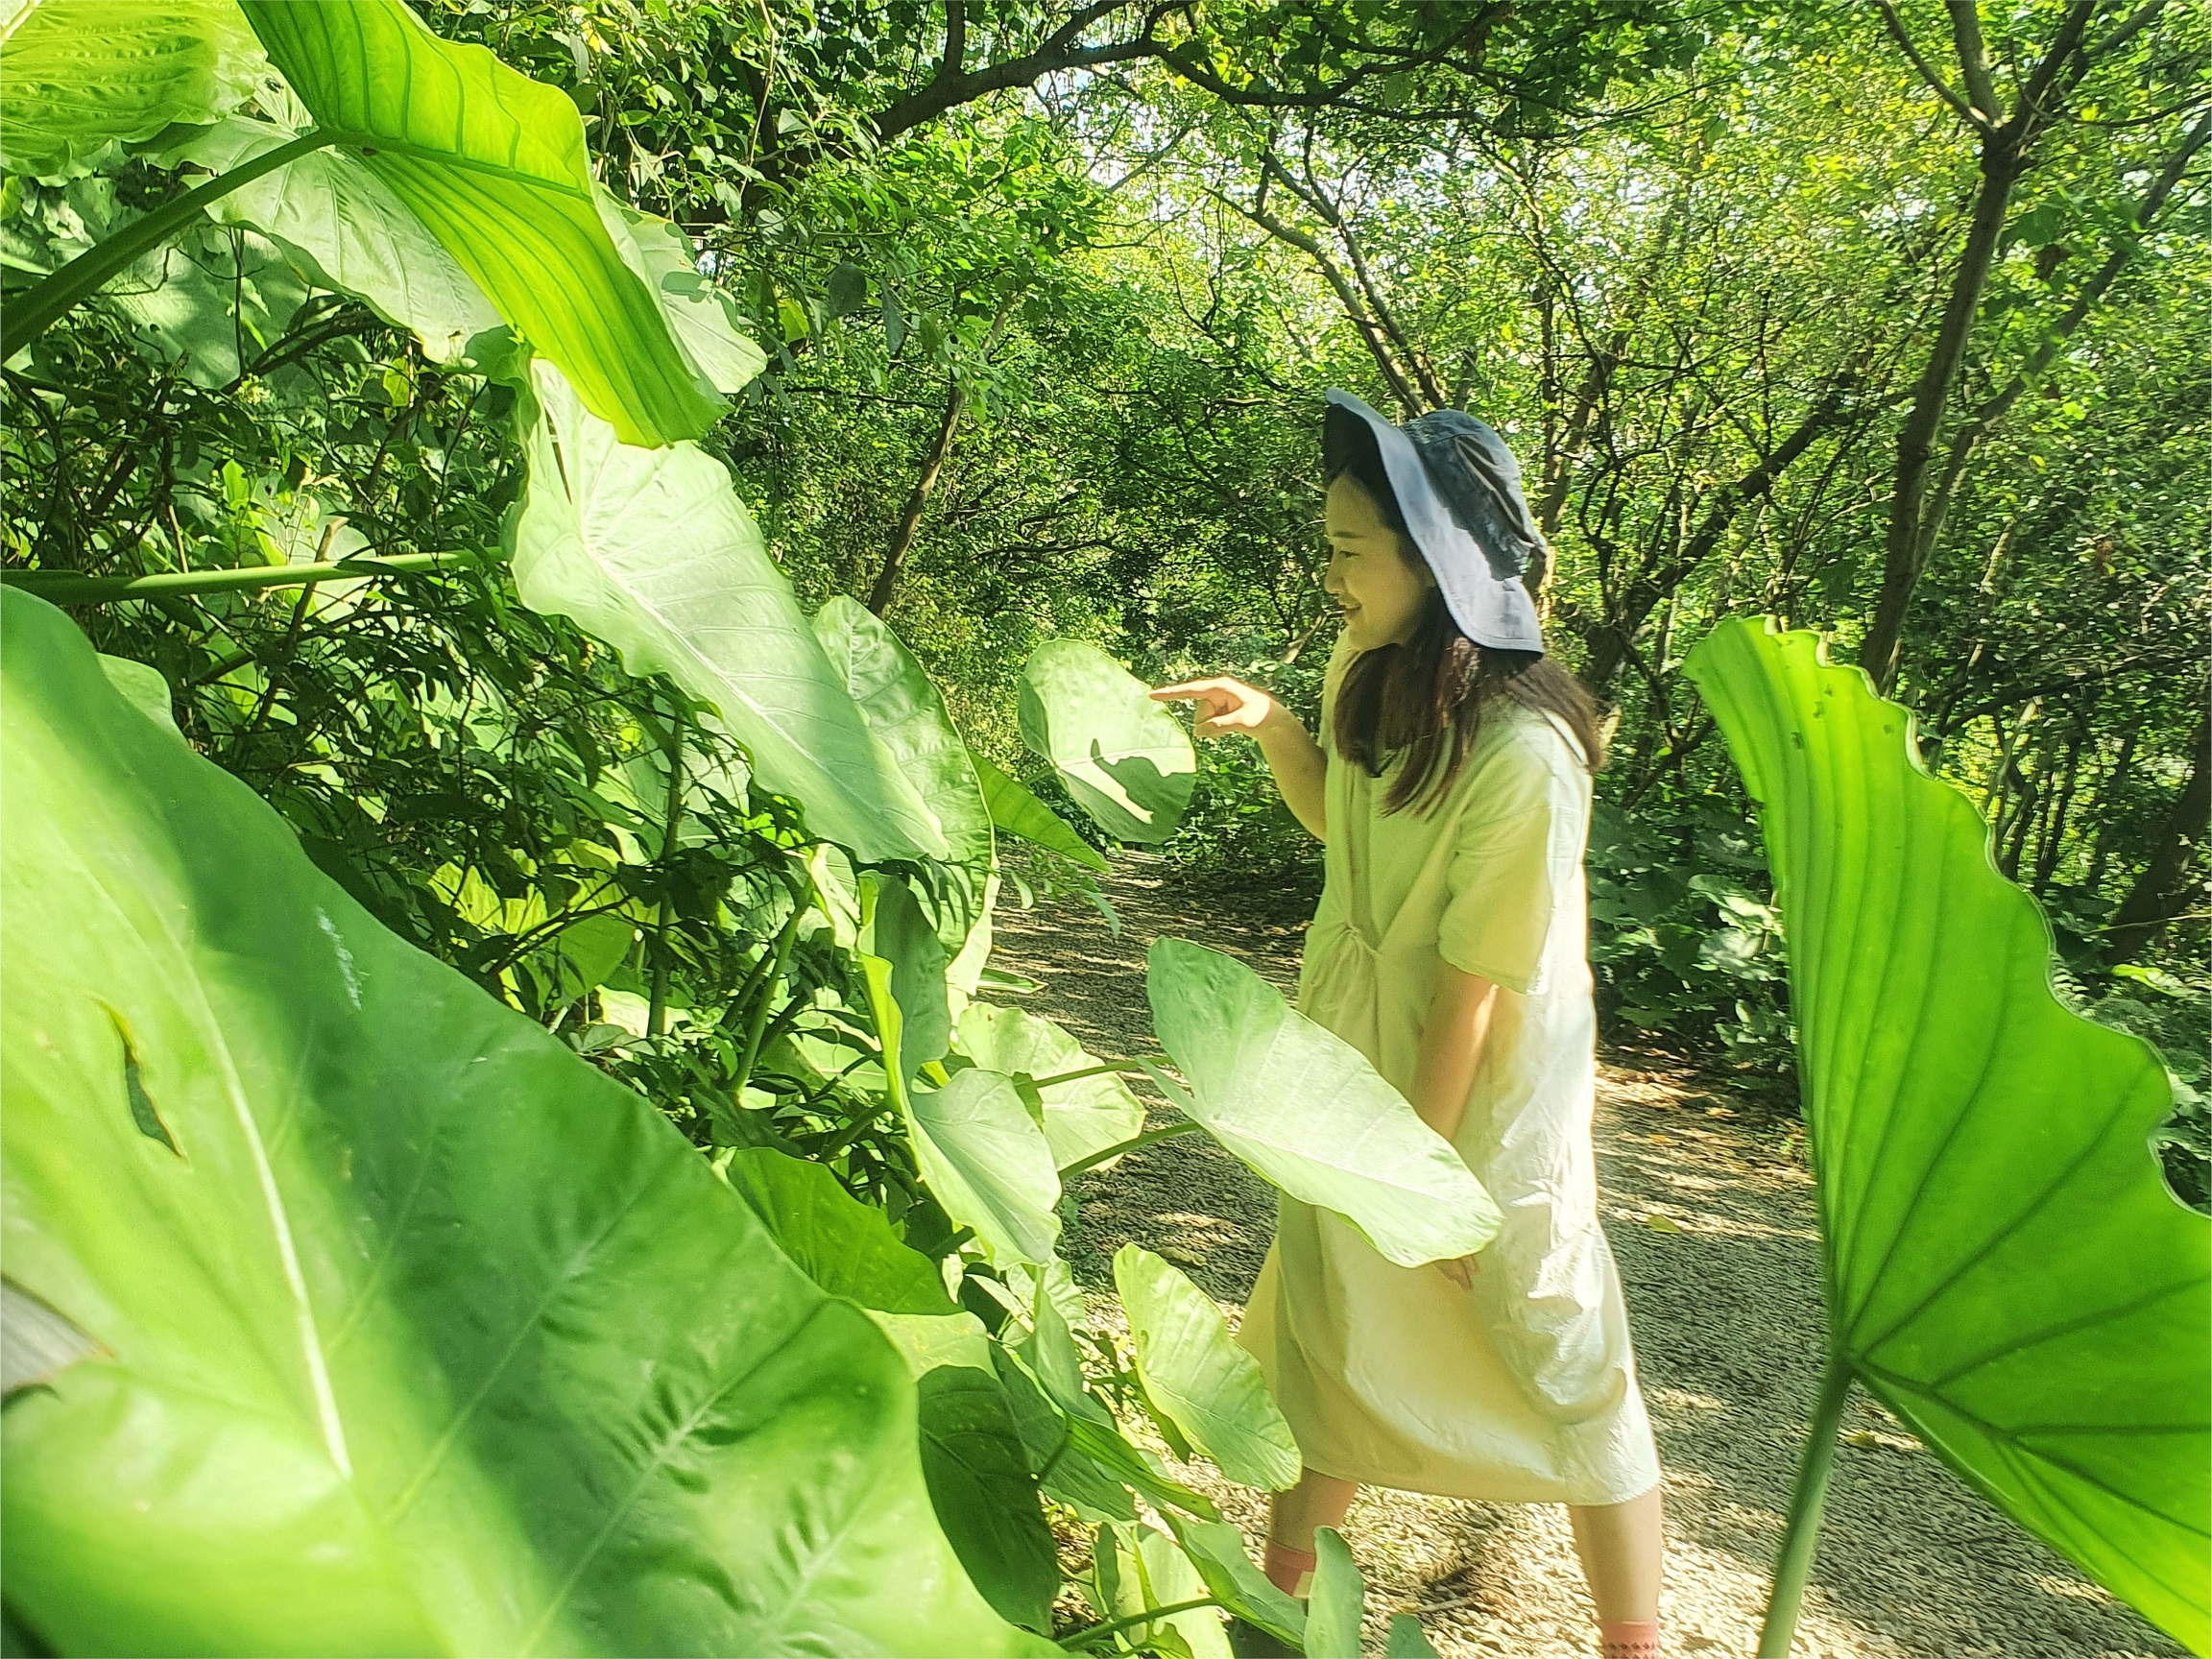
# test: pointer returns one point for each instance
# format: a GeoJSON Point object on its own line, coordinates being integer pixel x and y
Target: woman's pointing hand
{"type": "Point", "coordinates": [1223, 706]}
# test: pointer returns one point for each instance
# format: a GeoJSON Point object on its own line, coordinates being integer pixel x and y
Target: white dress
{"type": "Point", "coordinates": [1523, 1387]}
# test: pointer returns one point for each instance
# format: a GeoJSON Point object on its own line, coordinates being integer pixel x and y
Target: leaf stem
{"type": "Point", "coordinates": [1092, 1633]}
{"type": "Point", "coordinates": [68, 587]}
{"type": "Point", "coordinates": [1130, 1145]}
{"type": "Point", "coordinates": [84, 276]}
{"type": "Point", "coordinates": [1795, 1564]}
{"type": "Point", "coordinates": [756, 1026]}
{"type": "Point", "coordinates": [1098, 1071]}
{"type": "Point", "coordinates": [671, 823]}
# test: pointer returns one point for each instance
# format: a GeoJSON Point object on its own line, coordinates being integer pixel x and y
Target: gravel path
{"type": "Point", "coordinates": [1711, 1216]}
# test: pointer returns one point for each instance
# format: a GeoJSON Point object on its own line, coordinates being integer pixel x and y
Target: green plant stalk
{"type": "Point", "coordinates": [656, 1007]}
{"type": "Point", "coordinates": [1794, 1563]}
{"type": "Point", "coordinates": [68, 588]}
{"type": "Point", "coordinates": [757, 1024]}
{"type": "Point", "coordinates": [91, 271]}
{"type": "Point", "coordinates": [1092, 1633]}
{"type": "Point", "coordinates": [1110, 1065]}
{"type": "Point", "coordinates": [1130, 1145]}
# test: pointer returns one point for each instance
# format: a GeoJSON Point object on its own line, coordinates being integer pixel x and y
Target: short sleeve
{"type": "Point", "coordinates": [1332, 677]}
{"type": "Point", "coordinates": [1498, 910]}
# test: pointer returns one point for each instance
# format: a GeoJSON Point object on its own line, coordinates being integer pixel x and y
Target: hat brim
{"type": "Point", "coordinates": [1498, 613]}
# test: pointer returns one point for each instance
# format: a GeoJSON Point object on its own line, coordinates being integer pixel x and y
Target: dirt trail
{"type": "Point", "coordinates": [1711, 1217]}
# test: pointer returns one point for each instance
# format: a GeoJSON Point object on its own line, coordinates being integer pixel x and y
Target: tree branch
{"type": "Point", "coordinates": [1974, 60]}
{"type": "Point", "coordinates": [1896, 27]}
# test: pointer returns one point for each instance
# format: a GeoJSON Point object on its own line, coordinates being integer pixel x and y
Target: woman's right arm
{"type": "Point", "coordinates": [1225, 706]}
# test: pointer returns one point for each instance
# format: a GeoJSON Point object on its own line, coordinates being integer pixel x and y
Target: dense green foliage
{"type": "Point", "coordinates": [748, 436]}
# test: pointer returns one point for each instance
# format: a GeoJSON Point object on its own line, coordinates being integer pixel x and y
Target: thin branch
{"type": "Point", "coordinates": [1974, 60]}
{"type": "Point", "coordinates": [1896, 27]}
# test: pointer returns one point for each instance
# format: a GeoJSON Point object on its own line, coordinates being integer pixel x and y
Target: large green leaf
{"type": "Point", "coordinates": [987, 1162]}
{"type": "Point", "coordinates": [905, 712]}
{"type": "Point", "coordinates": [1338, 1603]}
{"type": "Point", "coordinates": [1049, 1352]}
{"type": "Point", "coordinates": [199, 297]}
{"type": "Point", "coordinates": [1191, 1366]}
{"type": "Point", "coordinates": [1303, 1107]}
{"type": "Point", "coordinates": [903, 963]}
{"type": "Point", "coordinates": [421, 1335]}
{"type": "Point", "coordinates": [704, 318]}
{"type": "Point", "coordinates": [2005, 1267]}
{"type": "Point", "coordinates": [1081, 1118]}
{"type": "Point", "coordinates": [653, 551]}
{"type": "Point", "coordinates": [494, 166]}
{"type": "Point", "coordinates": [1124, 758]}
{"type": "Point", "coordinates": [985, 1496]}
{"type": "Point", "coordinates": [1216, 1549]}
{"type": "Point", "coordinates": [1067, 1476]}
{"type": "Point", "coordinates": [845, 1246]}
{"type": "Point", "coordinates": [343, 226]}
{"type": "Point", "coordinates": [1016, 812]}
{"type": "Point", "coordinates": [82, 73]}
{"type": "Point", "coordinates": [1136, 1569]}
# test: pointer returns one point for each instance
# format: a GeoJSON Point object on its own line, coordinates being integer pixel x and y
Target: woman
{"type": "Point", "coordinates": [1452, 787]}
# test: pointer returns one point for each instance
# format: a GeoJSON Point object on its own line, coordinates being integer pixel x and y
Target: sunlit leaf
{"type": "Point", "coordinates": [1151, 1571]}
{"type": "Point", "coordinates": [1216, 1549]}
{"type": "Point", "coordinates": [844, 1245]}
{"type": "Point", "coordinates": [904, 961]}
{"type": "Point", "coordinates": [422, 1336]}
{"type": "Point", "coordinates": [1018, 812]}
{"type": "Point", "coordinates": [702, 318]}
{"type": "Point", "coordinates": [144, 687]}
{"type": "Point", "coordinates": [1338, 1600]}
{"type": "Point", "coordinates": [493, 165]}
{"type": "Point", "coordinates": [1193, 1368]}
{"type": "Point", "coordinates": [1080, 1118]}
{"type": "Point", "coordinates": [653, 552]}
{"type": "Point", "coordinates": [1303, 1107]}
{"type": "Point", "coordinates": [907, 715]}
{"type": "Point", "coordinates": [988, 1162]}
{"type": "Point", "coordinates": [2006, 1268]}
{"type": "Point", "coordinates": [82, 73]}
{"type": "Point", "coordinates": [1124, 758]}
{"type": "Point", "coordinates": [343, 225]}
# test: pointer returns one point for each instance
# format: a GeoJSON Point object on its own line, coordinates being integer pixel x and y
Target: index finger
{"type": "Point", "coordinates": [1188, 689]}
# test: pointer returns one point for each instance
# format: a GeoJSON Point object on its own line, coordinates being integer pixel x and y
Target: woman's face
{"type": "Point", "coordinates": [1370, 576]}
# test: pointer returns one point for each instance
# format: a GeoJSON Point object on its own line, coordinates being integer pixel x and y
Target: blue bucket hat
{"type": "Point", "coordinates": [1459, 489]}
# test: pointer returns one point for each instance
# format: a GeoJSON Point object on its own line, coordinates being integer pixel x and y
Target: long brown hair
{"type": "Point", "coordinates": [1425, 700]}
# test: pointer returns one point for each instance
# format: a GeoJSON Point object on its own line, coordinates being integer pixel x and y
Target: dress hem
{"type": "Point", "coordinates": [1432, 1489]}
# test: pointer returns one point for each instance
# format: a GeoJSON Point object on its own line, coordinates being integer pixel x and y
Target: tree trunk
{"type": "Point", "coordinates": [1906, 547]}
{"type": "Point", "coordinates": [2050, 845]}
{"type": "Point", "coordinates": [2162, 891]}
{"type": "Point", "coordinates": [895, 551]}
{"type": "Point", "coordinates": [2107, 788]}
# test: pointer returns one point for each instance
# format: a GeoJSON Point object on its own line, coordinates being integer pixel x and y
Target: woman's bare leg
{"type": "Point", "coordinates": [1620, 1547]}
{"type": "Point", "coordinates": [1316, 1501]}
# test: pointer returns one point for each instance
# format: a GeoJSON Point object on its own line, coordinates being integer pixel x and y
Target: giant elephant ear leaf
{"type": "Point", "coordinates": [84, 73]}
{"type": "Point", "coordinates": [1124, 758]}
{"type": "Point", "coordinates": [653, 552]}
{"type": "Point", "coordinates": [1083, 1116]}
{"type": "Point", "coordinates": [416, 1333]}
{"type": "Point", "coordinates": [907, 714]}
{"type": "Point", "coordinates": [2005, 1266]}
{"type": "Point", "coordinates": [1302, 1106]}
{"type": "Point", "coordinates": [493, 164]}
{"type": "Point", "coordinates": [1192, 1369]}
